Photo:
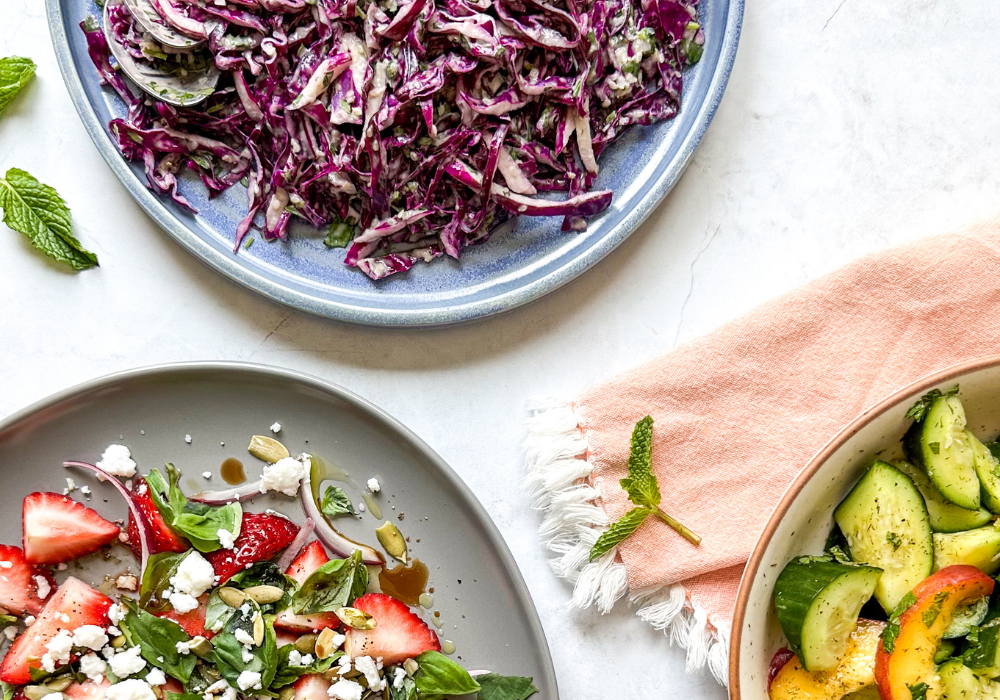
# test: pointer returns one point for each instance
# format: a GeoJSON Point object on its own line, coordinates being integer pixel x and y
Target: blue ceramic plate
{"type": "Point", "coordinates": [523, 260]}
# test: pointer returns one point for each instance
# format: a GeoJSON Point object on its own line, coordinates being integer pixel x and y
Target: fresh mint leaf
{"type": "Point", "coordinates": [37, 211]}
{"type": "Point", "coordinates": [156, 578]}
{"type": "Point", "coordinates": [334, 585]}
{"type": "Point", "coordinates": [339, 235]}
{"type": "Point", "coordinates": [894, 539]}
{"type": "Point", "coordinates": [15, 72]}
{"type": "Point", "coordinates": [287, 674]}
{"type": "Point", "coordinates": [918, 411]}
{"type": "Point", "coordinates": [157, 638]}
{"type": "Point", "coordinates": [336, 502]}
{"type": "Point", "coordinates": [618, 531]}
{"type": "Point", "coordinates": [640, 485]}
{"type": "Point", "coordinates": [918, 691]}
{"type": "Point", "coordinates": [198, 522]}
{"type": "Point", "coordinates": [439, 676]}
{"type": "Point", "coordinates": [497, 687]}
{"type": "Point", "coordinates": [930, 615]}
{"type": "Point", "coordinates": [891, 630]}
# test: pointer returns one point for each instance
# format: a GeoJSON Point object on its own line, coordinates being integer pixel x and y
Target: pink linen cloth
{"type": "Point", "coordinates": [740, 411]}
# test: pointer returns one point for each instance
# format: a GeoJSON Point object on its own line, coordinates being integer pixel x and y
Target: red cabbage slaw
{"type": "Point", "coordinates": [407, 128]}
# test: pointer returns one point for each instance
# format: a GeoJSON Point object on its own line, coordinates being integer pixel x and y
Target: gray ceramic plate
{"type": "Point", "coordinates": [484, 604]}
{"type": "Point", "coordinates": [521, 262]}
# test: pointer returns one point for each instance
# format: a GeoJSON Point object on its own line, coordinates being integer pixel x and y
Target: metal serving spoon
{"type": "Point", "coordinates": [174, 89]}
{"type": "Point", "coordinates": [147, 16]}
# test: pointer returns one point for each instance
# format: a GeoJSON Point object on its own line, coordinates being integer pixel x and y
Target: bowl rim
{"type": "Point", "coordinates": [919, 387]}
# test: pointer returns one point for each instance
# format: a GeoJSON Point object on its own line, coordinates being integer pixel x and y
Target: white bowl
{"type": "Point", "coordinates": [804, 516]}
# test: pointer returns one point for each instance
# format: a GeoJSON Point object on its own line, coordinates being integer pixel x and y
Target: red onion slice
{"type": "Point", "coordinates": [334, 541]}
{"type": "Point", "coordinates": [292, 550]}
{"type": "Point", "coordinates": [224, 496]}
{"type": "Point", "coordinates": [142, 527]}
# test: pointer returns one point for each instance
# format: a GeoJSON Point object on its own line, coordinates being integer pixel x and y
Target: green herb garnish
{"type": "Point", "coordinates": [919, 410]}
{"type": "Point", "coordinates": [336, 502]}
{"type": "Point", "coordinates": [440, 676]}
{"type": "Point", "coordinates": [894, 539]}
{"type": "Point", "coordinates": [497, 687]}
{"type": "Point", "coordinates": [891, 630]}
{"type": "Point", "coordinates": [334, 585]}
{"type": "Point", "coordinates": [15, 72]}
{"type": "Point", "coordinates": [198, 522]}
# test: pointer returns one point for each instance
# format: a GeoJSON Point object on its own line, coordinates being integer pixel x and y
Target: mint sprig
{"type": "Point", "coordinates": [643, 491]}
{"type": "Point", "coordinates": [37, 211]}
{"type": "Point", "coordinates": [15, 72]}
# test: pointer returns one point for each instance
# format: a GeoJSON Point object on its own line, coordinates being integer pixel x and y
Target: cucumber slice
{"type": "Point", "coordinates": [967, 617]}
{"type": "Point", "coordinates": [885, 523]}
{"type": "Point", "coordinates": [945, 516]}
{"type": "Point", "coordinates": [983, 655]}
{"type": "Point", "coordinates": [958, 682]}
{"type": "Point", "coordinates": [944, 652]}
{"type": "Point", "coordinates": [818, 602]}
{"type": "Point", "coordinates": [988, 471]}
{"type": "Point", "coordinates": [940, 446]}
{"type": "Point", "coordinates": [979, 548]}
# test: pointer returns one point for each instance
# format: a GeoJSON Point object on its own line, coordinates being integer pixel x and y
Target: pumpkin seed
{"type": "Point", "coordinates": [59, 684]}
{"type": "Point", "coordinates": [357, 619]}
{"type": "Point", "coordinates": [233, 597]}
{"type": "Point", "coordinates": [410, 666]}
{"type": "Point", "coordinates": [267, 448]}
{"type": "Point", "coordinates": [200, 646]}
{"type": "Point", "coordinates": [118, 642]}
{"type": "Point", "coordinates": [258, 629]}
{"type": "Point", "coordinates": [306, 644]}
{"type": "Point", "coordinates": [324, 644]}
{"type": "Point", "coordinates": [262, 595]}
{"type": "Point", "coordinates": [36, 692]}
{"type": "Point", "coordinates": [392, 540]}
{"type": "Point", "coordinates": [287, 693]}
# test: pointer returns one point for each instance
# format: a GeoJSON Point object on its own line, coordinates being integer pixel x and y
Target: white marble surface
{"type": "Point", "coordinates": [848, 126]}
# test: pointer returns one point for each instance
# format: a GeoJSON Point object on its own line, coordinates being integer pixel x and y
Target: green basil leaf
{"type": "Point", "coordinates": [228, 651]}
{"type": "Point", "coordinates": [157, 638]}
{"type": "Point", "coordinates": [266, 573]}
{"type": "Point", "coordinates": [334, 585]}
{"type": "Point", "coordinates": [37, 211]}
{"type": "Point", "coordinates": [439, 675]}
{"type": "Point", "coordinates": [497, 687]}
{"type": "Point", "coordinates": [336, 502]}
{"type": "Point", "coordinates": [15, 72]}
{"type": "Point", "coordinates": [287, 674]}
{"type": "Point", "coordinates": [156, 578]}
{"type": "Point", "coordinates": [183, 696]}
{"type": "Point", "coordinates": [217, 612]}
{"type": "Point", "coordinates": [7, 690]}
{"type": "Point", "coordinates": [198, 522]}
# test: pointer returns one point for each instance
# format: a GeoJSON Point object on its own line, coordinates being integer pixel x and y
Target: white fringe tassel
{"type": "Point", "coordinates": [557, 484]}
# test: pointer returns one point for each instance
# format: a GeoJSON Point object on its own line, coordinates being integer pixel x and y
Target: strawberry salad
{"type": "Point", "coordinates": [227, 604]}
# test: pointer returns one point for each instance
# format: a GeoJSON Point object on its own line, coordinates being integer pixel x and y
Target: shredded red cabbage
{"type": "Point", "coordinates": [410, 128]}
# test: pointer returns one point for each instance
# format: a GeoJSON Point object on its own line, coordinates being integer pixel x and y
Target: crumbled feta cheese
{"type": "Point", "coordinates": [127, 582]}
{"type": "Point", "coordinates": [29, 620]}
{"type": "Point", "coordinates": [338, 640]}
{"type": "Point", "coordinates": [60, 646]}
{"type": "Point", "coordinates": [243, 638]}
{"type": "Point", "coordinates": [361, 507]}
{"type": "Point", "coordinates": [206, 475]}
{"type": "Point", "coordinates": [251, 679]}
{"type": "Point", "coordinates": [345, 690]}
{"type": "Point", "coordinates": [114, 631]}
{"type": "Point", "coordinates": [10, 631]}
{"type": "Point", "coordinates": [187, 439]}
{"type": "Point", "coordinates": [132, 689]}
{"type": "Point", "coordinates": [183, 648]}
{"type": "Point", "coordinates": [89, 636]}
{"type": "Point", "coordinates": [62, 566]}
{"type": "Point", "coordinates": [398, 674]}
{"type": "Point", "coordinates": [276, 427]}
{"type": "Point", "coordinates": [182, 602]}
{"type": "Point", "coordinates": [366, 665]}
{"type": "Point", "coordinates": [295, 658]}
{"type": "Point", "coordinates": [306, 659]}
{"type": "Point", "coordinates": [373, 485]}
{"type": "Point", "coordinates": [115, 613]}
{"type": "Point", "coordinates": [143, 489]}
{"type": "Point", "coordinates": [283, 476]}
{"type": "Point", "coordinates": [93, 666]}
{"type": "Point", "coordinates": [63, 616]}
{"type": "Point", "coordinates": [85, 490]}
{"type": "Point", "coordinates": [127, 662]}
{"type": "Point", "coordinates": [70, 486]}
{"type": "Point", "coordinates": [43, 586]}
{"type": "Point", "coordinates": [194, 575]}
{"type": "Point", "coordinates": [156, 677]}
{"type": "Point", "coordinates": [247, 655]}
{"type": "Point", "coordinates": [225, 538]}
{"type": "Point", "coordinates": [117, 461]}
{"type": "Point", "coordinates": [48, 663]}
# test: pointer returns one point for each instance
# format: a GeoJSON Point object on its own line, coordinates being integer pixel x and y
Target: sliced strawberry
{"type": "Point", "coordinates": [312, 686]}
{"type": "Point", "coordinates": [310, 558]}
{"type": "Point", "coordinates": [283, 638]}
{"type": "Point", "coordinates": [173, 686]}
{"type": "Point", "coordinates": [398, 634]}
{"type": "Point", "coordinates": [88, 690]}
{"type": "Point", "coordinates": [74, 604]}
{"type": "Point", "coordinates": [164, 539]}
{"type": "Point", "coordinates": [56, 529]}
{"type": "Point", "coordinates": [262, 535]}
{"type": "Point", "coordinates": [191, 622]}
{"type": "Point", "coordinates": [18, 585]}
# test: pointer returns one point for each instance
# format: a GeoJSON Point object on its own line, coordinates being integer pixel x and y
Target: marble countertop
{"type": "Point", "coordinates": [847, 127]}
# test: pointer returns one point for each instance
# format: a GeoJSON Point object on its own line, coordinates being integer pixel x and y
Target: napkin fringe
{"type": "Point", "coordinates": [558, 484]}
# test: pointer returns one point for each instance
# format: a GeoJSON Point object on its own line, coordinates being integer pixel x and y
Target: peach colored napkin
{"type": "Point", "coordinates": [738, 413]}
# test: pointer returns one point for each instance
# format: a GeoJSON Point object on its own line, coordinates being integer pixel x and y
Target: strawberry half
{"type": "Point", "coordinates": [18, 587]}
{"type": "Point", "coordinates": [262, 535]}
{"type": "Point", "coordinates": [192, 622]}
{"type": "Point", "coordinates": [310, 558]}
{"type": "Point", "coordinates": [311, 687]}
{"type": "Point", "coordinates": [88, 690]}
{"type": "Point", "coordinates": [163, 538]}
{"type": "Point", "coordinates": [75, 604]}
{"type": "Point", "coordinates": [398, 635]}
{"type": "Point", "coordinates": [56, 529]}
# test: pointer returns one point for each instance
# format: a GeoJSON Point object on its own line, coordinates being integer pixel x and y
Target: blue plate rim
{"type": "Point", "coordinates": [362, 315]}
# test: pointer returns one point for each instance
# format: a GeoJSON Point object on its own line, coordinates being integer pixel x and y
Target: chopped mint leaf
{"type": "Point", "coordinates": [336, 502]}
{"type": "Point", "coordinates": [931, 613]}
{"type": "Point", "coordinates": [919, 410]}
{"type": "Point", "coordinates": [894, 539]}
{"type": "Point", "coordinates": [934, 447]}
{"type": "Point", "coordinates": [15, 72]}
{"type": "Point", "coordinates": [37, 211]}
{"type": "Point", "coordinates": [918, 691]}
{"type": "Point", "coordinates": [891, 630]}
